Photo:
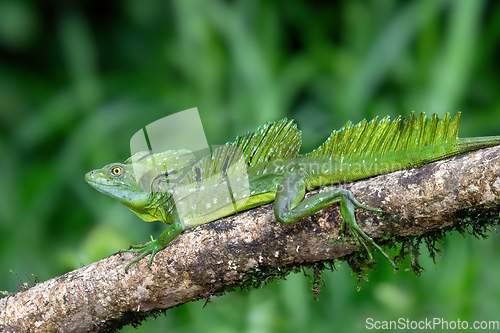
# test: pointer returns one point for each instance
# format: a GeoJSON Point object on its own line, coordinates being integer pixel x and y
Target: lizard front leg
{"type": "Point", "coordinates": [289, 207]}
{"type": "Point", "coordinates": [155, 246]}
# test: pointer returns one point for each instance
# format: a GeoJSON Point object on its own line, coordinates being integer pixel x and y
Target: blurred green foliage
{"type": "Point", "coordinates": [78, 78]}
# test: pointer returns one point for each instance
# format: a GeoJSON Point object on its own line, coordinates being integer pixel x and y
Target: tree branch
{"type": "Point", "coordinates": [232, 251]}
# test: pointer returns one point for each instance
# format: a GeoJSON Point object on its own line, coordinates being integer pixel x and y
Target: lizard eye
{"type": "Point", "coordinates": [116, 171]}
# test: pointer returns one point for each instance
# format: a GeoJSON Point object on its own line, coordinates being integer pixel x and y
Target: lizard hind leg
{"type": "Point", "coordinates": [289, 207]}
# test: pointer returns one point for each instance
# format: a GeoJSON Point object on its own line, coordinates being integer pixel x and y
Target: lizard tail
{"type": "Point", "coordinates": [469, 144]}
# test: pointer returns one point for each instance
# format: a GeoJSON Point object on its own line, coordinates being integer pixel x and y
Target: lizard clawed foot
{"type": "Point", "coordinates": [152, 248]}
{"type": "Point", "coordinates": [360, 237]}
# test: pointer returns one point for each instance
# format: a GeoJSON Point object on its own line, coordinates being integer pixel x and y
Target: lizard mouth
{"type": "Point", "coordinates": [92, 181]}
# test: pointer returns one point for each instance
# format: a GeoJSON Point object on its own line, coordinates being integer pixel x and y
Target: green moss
{"type": "Point", "coordinates": [133, 318]}
{"type": "Point", "coordinates": [262, 276]}
{"type": "Point", "coordinates": [23, 285]}
{"type": "Point", "coordinates": [476, 221]}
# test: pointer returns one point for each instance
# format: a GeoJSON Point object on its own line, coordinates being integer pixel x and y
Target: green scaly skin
{"type": "Point", "coordinates": [265, 166]}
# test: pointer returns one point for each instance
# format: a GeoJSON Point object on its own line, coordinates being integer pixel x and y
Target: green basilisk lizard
{"type": "Point", "coordinates": [264, 165]}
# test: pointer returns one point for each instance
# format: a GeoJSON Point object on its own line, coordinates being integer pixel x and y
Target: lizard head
{"type": "Point", "coordinates": [142, 182]}
{"type": "Point", "coordinates": [118, 180]}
